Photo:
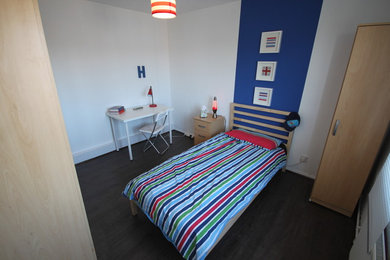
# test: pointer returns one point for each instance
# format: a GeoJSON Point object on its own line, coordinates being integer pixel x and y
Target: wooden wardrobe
{"type": "Point", "coordinates": [359, 123]}
{"type": "Point", "coordinates": [42, 213]}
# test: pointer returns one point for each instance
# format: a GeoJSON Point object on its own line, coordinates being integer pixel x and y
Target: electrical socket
{"type": "Point", "coordinates": [303, 158]}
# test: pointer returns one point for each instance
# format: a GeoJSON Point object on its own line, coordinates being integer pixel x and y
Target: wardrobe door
{"type": "Point", "coordinates": [359, 123]}
{"type": "Point", "coordinates": [42, 214]}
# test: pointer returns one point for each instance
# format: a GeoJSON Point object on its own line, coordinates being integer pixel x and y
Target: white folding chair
{"type": "Point", "coordinates": [154, 131]}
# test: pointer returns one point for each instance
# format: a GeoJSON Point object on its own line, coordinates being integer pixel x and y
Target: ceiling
{"type": "Point", "coordinates": [182, 6]}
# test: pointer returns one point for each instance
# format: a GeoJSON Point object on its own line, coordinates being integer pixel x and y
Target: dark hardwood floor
{"type": "Point", "coordinates": [280, 224]}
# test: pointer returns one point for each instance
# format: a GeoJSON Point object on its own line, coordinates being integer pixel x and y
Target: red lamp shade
{"type": "Point", "coordinates": [150, 93]}
{"type": "Point", "coordinates": [163, 9]}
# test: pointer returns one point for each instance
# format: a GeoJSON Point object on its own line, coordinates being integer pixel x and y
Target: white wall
{"type": "Point", "coordinates": [332, 46]}
{"type": "Point", "coordinates": [203, 53]}
{"type": "Point", "coordinates": [95, 50]}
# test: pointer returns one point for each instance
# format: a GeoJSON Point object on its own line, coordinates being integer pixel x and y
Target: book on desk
{"type": "Point", "coordinates": [116, 110]}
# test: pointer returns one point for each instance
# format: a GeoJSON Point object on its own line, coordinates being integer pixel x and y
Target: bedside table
{"type": "Point", "coordinates": [205, 128]}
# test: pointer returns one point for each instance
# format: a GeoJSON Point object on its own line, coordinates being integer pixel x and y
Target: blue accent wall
{"type": "Point", "coordinates": [298, 19]}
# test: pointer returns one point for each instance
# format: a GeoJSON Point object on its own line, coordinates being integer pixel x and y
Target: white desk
{"type": "Point", "coordinates": [131, 115]}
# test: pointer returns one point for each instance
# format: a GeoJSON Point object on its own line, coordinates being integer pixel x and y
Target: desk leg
{"type": "Point", "coordinates": [170, 127]}
{"type": "Point", "coordinates": [113, 133]}
{"type": "Point", "coordinates": [128, 142]}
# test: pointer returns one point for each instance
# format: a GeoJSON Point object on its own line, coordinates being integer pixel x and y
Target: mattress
{"type": "Point", "coordinates": [194, 196]}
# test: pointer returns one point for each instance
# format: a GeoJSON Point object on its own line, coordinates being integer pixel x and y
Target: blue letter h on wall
{"type": "Point", "coordinates": [141, 71]}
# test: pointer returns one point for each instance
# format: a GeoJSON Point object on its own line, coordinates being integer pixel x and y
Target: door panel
{"type": "Point", "coordinates": [42, 214]}
{"type": "Point", "coordinates": [363, 112]}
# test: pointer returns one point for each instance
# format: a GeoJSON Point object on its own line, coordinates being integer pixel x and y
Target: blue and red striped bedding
{"type": "Point", "coordinates": [191, 197]}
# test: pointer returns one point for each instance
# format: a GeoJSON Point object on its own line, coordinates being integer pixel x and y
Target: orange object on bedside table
{"type": "Point", "coordinates": [205, 128]}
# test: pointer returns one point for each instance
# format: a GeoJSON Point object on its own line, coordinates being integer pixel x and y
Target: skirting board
{"type": "Point", "coordinates": [97, 150]}
{"type": "Point", "coordinates": [104, 148]}
{"type": "Point", "coordinates": [186, 133]}
{"type": "Point", "coordinates": [300, 172]}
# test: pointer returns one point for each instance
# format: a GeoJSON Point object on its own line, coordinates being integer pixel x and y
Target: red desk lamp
{"type": "Point", "coordinates": [150, 93]}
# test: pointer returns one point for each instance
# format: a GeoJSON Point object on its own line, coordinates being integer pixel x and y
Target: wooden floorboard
{"type": "Point", "coordinates": [280, 224]}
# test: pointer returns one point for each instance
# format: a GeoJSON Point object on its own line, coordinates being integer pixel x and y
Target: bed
{"type": "Point", "coordinates": [196, 196]}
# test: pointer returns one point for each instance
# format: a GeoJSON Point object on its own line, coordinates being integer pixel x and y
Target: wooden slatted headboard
{"type": "Point", "coordinates": [243, 118]}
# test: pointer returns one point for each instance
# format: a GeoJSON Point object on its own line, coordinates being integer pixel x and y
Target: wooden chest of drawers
{"type": "Point", "coordinates": [205, 128]}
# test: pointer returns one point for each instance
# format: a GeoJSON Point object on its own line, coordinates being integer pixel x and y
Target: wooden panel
{"type": "Point", "coordinates": [42, 212]}
{"type": "Point", "coordinates": [218, 126]}
{"type": "Point", "coordinates": [205, 128]}
{"type": "Point", "coordinates": [268, 110]}
{"type": "Point", "coordinates": [209, 118]}
{"type": "Point", "coordinates": [200, 138]}
{"type": "Point", "coordinates": [279, 120]}
{"type": "Point", "coordinates": [201, 126]}
{"type": "Point", "coordinates": [261, 124]}
{"type": "Point", "coordinates": [203, 133]}
{"type": "Point", "coordinates": [236, 121]}
{"type": "Point", "coordinates": [363, 113]}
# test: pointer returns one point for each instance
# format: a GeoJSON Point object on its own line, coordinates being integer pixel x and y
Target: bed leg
{"type": "Point", "coordinates": [133, 207]}
{"type": "Point", "coordinates": [284, 169]}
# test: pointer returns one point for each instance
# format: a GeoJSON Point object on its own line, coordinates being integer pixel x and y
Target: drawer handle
{"type": "Point", "coordinates": [202, 126]}
{"type": "Point", "coordinates": [202, 136]}
{"type": "Point", "coordinates": [336, 125]}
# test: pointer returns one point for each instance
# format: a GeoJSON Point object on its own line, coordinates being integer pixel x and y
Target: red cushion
{"type": "Point", "coordinates": [257, 140]}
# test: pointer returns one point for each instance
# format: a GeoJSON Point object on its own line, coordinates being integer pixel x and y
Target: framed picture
{"type": "Point", "coordinates": [262, 96]}
{"type": "Point", "coordinates": [266, 70]}
{"type": "Point", "coordinates": [270, 42]}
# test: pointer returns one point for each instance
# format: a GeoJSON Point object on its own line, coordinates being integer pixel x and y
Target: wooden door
{"type": "Point", "coordinates": [362, 115]}
{"type": "Point", "coordinates": [42, 214]}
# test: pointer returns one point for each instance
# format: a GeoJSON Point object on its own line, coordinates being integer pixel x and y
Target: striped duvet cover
{"type": "Point", "coordinates": [192, 196]}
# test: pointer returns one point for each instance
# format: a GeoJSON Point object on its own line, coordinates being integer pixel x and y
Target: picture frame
{"type": "Point", "coordinates": [262, 96]}
{"type": "Point", "coordinates": [270, 42]}
{"type": "Point", "coordinates": [266, 70]}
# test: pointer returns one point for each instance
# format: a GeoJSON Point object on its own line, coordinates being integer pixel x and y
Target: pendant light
{"type": "Point", "coordinates": [163, 9]}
